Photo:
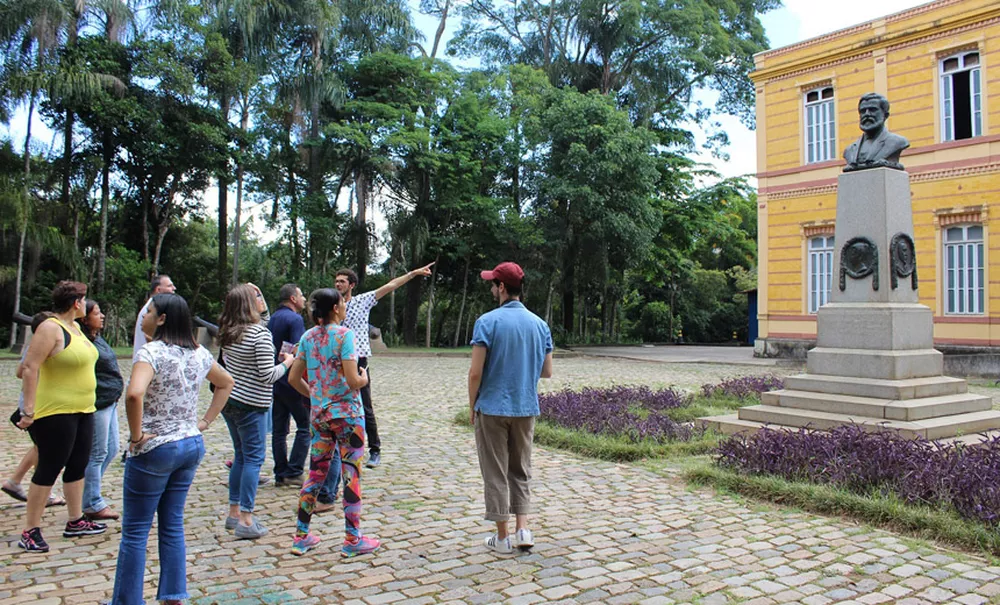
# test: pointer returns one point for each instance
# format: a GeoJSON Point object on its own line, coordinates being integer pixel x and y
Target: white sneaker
{"type": "Point", "coordinates": [497, 545]}
{"type": "Point", "coordinates": [523, 539]}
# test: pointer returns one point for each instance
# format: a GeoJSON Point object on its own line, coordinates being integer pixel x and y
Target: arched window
{"type": "Point", "coordinates": [820, 271]}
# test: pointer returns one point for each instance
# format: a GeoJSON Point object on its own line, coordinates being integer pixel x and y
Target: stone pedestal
{"type": "Point", "coordinates": [874, 363]}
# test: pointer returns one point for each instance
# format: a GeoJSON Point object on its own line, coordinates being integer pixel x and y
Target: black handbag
{"type": "Point", "coordinates": [211, 387]}
{"type": "Point", "coordinates": [15, 418]}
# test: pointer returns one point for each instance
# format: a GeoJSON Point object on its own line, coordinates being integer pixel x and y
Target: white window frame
{"type": "Point", "coordinates": [820, 120]}
{"type": "Point", "coordinates": [964, 270]}
{"type": "Point", "coordinates": [975, 93]}
{"type": "Point", "coordinates": [819, 271]}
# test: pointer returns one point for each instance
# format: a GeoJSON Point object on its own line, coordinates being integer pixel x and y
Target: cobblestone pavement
{"type": "Point", "coordinates": [605, 533]}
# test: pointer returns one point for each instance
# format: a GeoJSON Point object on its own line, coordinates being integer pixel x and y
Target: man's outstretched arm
{"type": "Point", "coordinates": [402, 279]}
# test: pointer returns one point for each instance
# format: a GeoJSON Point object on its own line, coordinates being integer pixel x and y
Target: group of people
{"type": "Point", "coordinates": [268, 366]}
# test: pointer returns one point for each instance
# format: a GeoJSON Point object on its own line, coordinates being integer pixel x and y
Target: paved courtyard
{"type": "Point", "coordinates": [605, 533]}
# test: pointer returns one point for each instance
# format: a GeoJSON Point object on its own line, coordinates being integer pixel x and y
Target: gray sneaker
{"type": "Point", "coordinates": [251, 533]}
{"type": "Point", "coordinates": [232, 522]}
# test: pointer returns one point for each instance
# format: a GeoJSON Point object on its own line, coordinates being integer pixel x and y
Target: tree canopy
{"type": "Point", "coordinates": [356, 143]}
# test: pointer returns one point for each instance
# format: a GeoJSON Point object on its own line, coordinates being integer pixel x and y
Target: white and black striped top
{"type": "Point", "coordinates": [251, 362]}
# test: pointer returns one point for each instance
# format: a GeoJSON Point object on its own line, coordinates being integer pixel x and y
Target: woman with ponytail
{"type": "Point", "coordinates": [327, 356]}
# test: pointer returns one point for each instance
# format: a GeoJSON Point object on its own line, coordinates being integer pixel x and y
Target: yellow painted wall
{"type": "Point", "coordinates": [898, 56]}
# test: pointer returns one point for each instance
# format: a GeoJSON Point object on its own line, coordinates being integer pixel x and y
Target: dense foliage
{"type": "Point", "coordinates": [568, 151]}
{"type": "Point", "coordinates": [883, 462]}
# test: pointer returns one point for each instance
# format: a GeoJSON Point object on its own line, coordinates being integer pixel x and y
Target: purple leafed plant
{"type": "Point", "coordinates": [744, 386]}
{"type": "Point", "coordinates": [635, 413]}
{"type": "Point", "coordinates": [915, 470]}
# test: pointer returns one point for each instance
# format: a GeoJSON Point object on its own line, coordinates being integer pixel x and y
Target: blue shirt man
{"type": "Point", "coordinates": [286, 326]}
{"type": "Point", "coordinates": [511, 350]}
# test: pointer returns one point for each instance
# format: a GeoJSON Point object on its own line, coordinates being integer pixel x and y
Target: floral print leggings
{"type": "Point", "coordinates": [349, 435]}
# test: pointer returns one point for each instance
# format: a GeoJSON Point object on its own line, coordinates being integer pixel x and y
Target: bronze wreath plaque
{"type": "Point", "coordinates": [859, 259]}
{"type": "Point", "coordinates": [904, 260]}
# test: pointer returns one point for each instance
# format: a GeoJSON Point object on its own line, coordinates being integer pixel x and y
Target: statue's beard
{"type": "Point", "coordinates": [869, 125]}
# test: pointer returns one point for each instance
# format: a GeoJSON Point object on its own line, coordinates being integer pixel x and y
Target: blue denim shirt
{"type": "Point", "coordinates": [516, 342]}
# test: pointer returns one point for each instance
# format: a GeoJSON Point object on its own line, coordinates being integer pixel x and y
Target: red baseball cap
{"type": "Point", "coordinates": [510, 274]}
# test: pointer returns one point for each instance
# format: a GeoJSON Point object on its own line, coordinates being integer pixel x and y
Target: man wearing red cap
{"type": "Point", "coordinates": [511, 350]}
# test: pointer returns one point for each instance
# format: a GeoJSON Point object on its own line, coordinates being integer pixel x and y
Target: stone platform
{"type": "Point", "coordinates": [875, 364]}
{"type": "Point", "coordinates": [938, 407]}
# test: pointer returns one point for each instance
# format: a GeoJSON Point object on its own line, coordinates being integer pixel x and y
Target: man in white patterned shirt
{"type": "Point", "coordinates": [358, 309]}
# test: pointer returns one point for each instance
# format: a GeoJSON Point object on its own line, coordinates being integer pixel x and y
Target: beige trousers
{"type": "Point", "coordinates": [504, 447]}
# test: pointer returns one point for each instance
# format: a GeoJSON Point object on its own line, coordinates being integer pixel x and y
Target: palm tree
{"type": "Point", "coordinates": [325, 32]}
{"type": "Point", "coordinates": [248, 30]}
{"type": "Point", "coordinates": [117, 20]}
{"type": "Point", "coordinates": [31, 33]}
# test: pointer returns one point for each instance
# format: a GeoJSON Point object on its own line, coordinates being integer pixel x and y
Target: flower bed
{"type": "Point", "coordinates": [963, 478]}
{"type": "Point", "coordinates": [743, 387]}
{"type": "Point", "coordinates": [634, 413]}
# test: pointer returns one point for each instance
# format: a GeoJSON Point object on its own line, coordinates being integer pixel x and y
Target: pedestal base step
{"type": "Point", "coordinates": [885, 365]}
{"type": "Point", "coordinates": [930, 428]}
{"type": "Point", "coordinates": [883, 409]}
{"type": "Point", "coordinates": [911, 388]}
{"type": "Point", "coordinates": [983, 425]}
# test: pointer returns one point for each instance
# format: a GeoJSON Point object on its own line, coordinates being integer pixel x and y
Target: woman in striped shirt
{"type": "Point", "coordinates": [248, 354]}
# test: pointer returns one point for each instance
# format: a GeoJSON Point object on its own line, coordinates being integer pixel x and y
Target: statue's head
{"type": "Point", "coordinates": [873, 109]}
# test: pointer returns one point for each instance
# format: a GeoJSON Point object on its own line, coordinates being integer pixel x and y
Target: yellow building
{"type": "Point", "coordinates": [939, 66]}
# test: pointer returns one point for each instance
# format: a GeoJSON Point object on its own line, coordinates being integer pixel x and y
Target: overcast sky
{"type": "Point", "coordinates": [797, 20]}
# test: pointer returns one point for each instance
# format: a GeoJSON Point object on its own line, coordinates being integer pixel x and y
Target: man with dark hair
{"type": "Point", "coordinates": [286, 326]}
{"type": "Point", "coordinates": [511, 350]}
{"type": "Point", "coordinates": [358, 309]}
{"type": "Point", "coordinates": [160, 284]}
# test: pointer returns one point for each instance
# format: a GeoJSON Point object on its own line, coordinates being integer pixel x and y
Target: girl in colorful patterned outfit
{"type": "Point", "coordinates": [327, 356]}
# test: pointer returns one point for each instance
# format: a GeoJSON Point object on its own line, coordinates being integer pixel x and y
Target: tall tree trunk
{"type": "Point", "coordinates": [548, 303]}
{"type": "Point", "coordinates": [430, 304]}
{"type": "Point", "coordinates": [225, 104]}
{"type": "Point", "coordinates": [293, 209]}
{"type": "Point", "coordinates": [442, 321]}
{"type": "Point", "coordinates": [441, 27]}
{"type": "Point", "coordinates": [161, 233]}
{"type": "Point", "coordinates": [392, 276]}
{"type": "Point", "coordinates": [145, 226]}
{"type": "Point", "coordinates": [315, 187]}
{"type": "Point", "coordinates": [76, 227]}
{"type": "Point", "coordinates": [468, 324]}
{"type": "Point", "coordinates": [67, 163]}
{"type": "Point", "coordinates": [362, 187]}
{"type": "Point", "coordinates": [244, 124]}
{"type": "Point", "coordinates": [568, 294]}
{"type": "Point", "coordinates": [26, 201]}
{"type": "Point", "coordinates": [461, 307]}
{"type": "Point", "coordinates": [102, 252]}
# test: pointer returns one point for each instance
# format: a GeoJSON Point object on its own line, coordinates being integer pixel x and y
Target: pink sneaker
{"type": "Point", "coordinates": [362, 547]}
{"type": "Point", "coordinates": [301, 546]}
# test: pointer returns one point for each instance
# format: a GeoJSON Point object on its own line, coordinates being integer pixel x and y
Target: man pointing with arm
{"type": "Point", "coordinates": [358, 309]}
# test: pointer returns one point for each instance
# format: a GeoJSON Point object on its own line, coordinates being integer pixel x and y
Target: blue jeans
{"type": "Point", "coordinates": [156, 482]}
{"type": "Point", "coordinates": [102, 452]}
{"type": "Point", "coordinates": [249, 432]}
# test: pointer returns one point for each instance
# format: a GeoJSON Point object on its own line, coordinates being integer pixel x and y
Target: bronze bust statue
{"type": "Point", "coordinates": [877, 147]}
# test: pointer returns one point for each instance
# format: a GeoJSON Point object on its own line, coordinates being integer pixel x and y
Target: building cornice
{"type": "Point", "coordinates": [860, 50]}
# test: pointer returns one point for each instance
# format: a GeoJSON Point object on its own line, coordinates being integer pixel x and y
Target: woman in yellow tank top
{"type": "Point", "coordinates": [60, 387]}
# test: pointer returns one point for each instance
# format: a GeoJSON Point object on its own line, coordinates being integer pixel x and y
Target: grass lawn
{"type": "Point", "coordinates": [877, 509]}
{"type": "Point", "coordinates": [608, 447]}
